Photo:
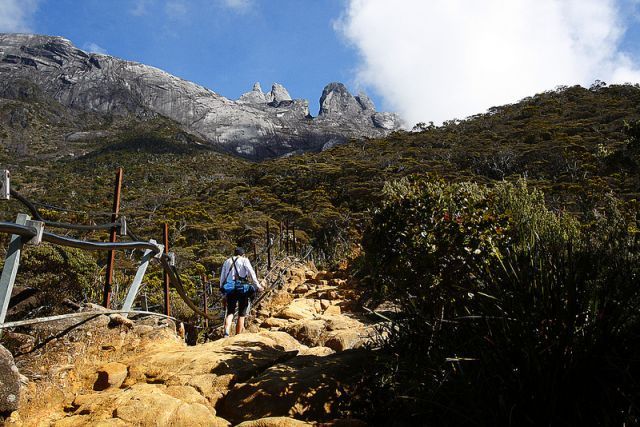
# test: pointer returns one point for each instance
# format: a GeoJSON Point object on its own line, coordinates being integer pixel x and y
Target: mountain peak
{"type": "Point", "coordinates": [257, 125]}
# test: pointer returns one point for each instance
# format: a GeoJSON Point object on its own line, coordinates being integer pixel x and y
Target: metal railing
{"type": "Point", "coordinates": [26, 232]}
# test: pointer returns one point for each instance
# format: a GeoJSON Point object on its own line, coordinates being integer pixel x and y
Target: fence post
{"type": "Point", "coordinates": [106, 298]}
{"type": "Point", "coordinates": [286, 237]}
{"type": "Point", "coordinates": [167, 302]}
{"type": "Point", "coordinates": [293, 239]}
{"type": "Point", "coordinates": [10, 269]}
{"type": "Point", "coordinates": [268, 247]}
{"type": "Point", "coordinates": [137, 281]}
{"type": "Point", "coordinates": [203, 278]}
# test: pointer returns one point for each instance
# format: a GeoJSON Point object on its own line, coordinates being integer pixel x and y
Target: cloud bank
{"type": "Point", "coordinates": [93, 47]}
{"type": "Point", "coordinates": [16, 15]}
{"type": "Point", "coordinates": [238, 5]}
{"type": "Point", "coordinates": [442, 59]}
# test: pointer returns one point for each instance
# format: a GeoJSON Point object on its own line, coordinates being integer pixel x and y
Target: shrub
{"type": "Point", "coordinates": [511, 314]}
{"type": "Point", "coordinates": [57, 274]}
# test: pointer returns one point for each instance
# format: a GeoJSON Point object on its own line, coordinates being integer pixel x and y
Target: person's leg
{"type": "Point", "coordinates": [240, 325]}
{"type": "Point", "coordinates": [243, 310]}
{"type": "Point", "coordinates": [227, 324]}
{"type": "Point", "coordinates": [232, 302]}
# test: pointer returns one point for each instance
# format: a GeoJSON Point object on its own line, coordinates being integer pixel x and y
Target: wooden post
{"type": "Point", "coordinates": [167, 302]}
{"type": "Point", "coordinates": [203, 278]}
{"type": "Point", "coordinates": [268, 247]}
{"type": "Point", "coordinates": [293, 238]}
{"type": "Point", "coordinates": [108, 283]}
{"type": "Point", "coordinates": [255, 253]}
{"type": "Point", "coordinates": [286, 237]}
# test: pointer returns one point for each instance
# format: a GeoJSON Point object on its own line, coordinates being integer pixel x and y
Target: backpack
{"type": "Point", "coordinates": [239, 286]}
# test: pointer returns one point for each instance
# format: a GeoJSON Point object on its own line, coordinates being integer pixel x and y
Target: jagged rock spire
{"type": "Point", "coordinates": [278, 94]}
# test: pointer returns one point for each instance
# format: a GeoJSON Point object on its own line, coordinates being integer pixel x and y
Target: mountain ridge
{"type": "Point", "coordinates": [248, 127]}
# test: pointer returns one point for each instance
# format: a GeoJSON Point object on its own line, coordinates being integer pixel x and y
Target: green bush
{"type": "Point", "coordinates": [57, 274]}
{"type": "Point", "coordinates": [510, 314]}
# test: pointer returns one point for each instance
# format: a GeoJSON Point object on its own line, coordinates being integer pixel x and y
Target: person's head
{"type": "Point", "coordinates": [239, 251]}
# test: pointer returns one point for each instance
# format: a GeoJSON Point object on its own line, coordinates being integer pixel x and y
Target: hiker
{"type": "Point", "coordinates": [235, 276]}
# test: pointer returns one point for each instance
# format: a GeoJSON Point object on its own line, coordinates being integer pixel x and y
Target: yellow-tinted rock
{"type": "Point", "coordinates": [274, 322]}
{"type": "Point", "coordinates": [299, 309]}
{"type": "Point", "coordinates": [275, 422]}
{"type": "Point", "coordinates": [308, 387]}
{"type": "Point", "coordinates": [111, 375]}
{"type": "Point", "coordinates": [345, 339]}
{"type": "Point", "coordinates": [333, 310]}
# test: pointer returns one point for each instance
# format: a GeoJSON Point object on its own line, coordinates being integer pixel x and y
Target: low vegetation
{"type": "Point", "coordinates": [509, 239]}
{"type": "Point", "coordinates": [510, 313]}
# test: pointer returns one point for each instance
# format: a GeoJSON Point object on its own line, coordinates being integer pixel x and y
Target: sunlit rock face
{"type": "Point", "coordinates": [258, 125]}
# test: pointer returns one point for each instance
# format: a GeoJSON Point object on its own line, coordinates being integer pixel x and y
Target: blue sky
{"type": "Point", "coordinates": [225, 46]}
{"type": "Point", "coordinates": [429, 60]}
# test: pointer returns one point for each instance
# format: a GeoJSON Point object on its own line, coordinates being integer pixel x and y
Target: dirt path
{"type": "Point", "coordinates": [293, 367]}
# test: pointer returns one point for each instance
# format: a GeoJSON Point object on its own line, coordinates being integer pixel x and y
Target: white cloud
{"type": "Point", "coordinates": [176, 9]}
{"type": "Point", "coordinates": [238, 5]}
{"type": "Point", "coordinates": [94, 48]}
{"type": "Point", "coordinates": [140, 7]}
{"type": "Point", "coordinates": [16, 15]}
{"type": "Point", "coordinates": [443, 59]}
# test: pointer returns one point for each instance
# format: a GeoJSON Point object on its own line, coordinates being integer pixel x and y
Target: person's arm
{"type": "Point", "coordinates": [224, 272]}
{"type": "Point", "coordinates": [252, 273]}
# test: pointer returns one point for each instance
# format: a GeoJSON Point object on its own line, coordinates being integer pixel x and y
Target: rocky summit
{"type": "Point", "coordinates": [258, 125]}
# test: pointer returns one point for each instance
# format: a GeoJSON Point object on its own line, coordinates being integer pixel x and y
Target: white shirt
{"type": "Point", "coordinates": [244, 270]}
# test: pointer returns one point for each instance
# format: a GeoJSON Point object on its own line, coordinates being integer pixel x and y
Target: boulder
{"type": "Point", "coordinates": [18, 343]}
{"type": "Point", "coordinates": [119, 320]}
{"type": "Point", "coordinates": [308, 332]}
{"type": "Point", "coordinates": [210, 368]}
{"type": "Point", "coordinates": [324, 275]}
{"type": "Point", "coordinates": [346, 339]}
{"type": "Point", "coordinates": [141, 405]}
{"type": "Point", "coordinates": [337, 282]}
{"type": "Point", "coordinates": [301, 289]}
{"type": "Point", "coordinates": [111, 375]}
{"type": "Point", "coordinates": [332, 310]}
{"type": "Point", "coordinates": [305, 387]}
{"type": "Point", "coordinates": [275, 422]}
{"type": "Point", "coordinates": [298, 309]}
{"type": "Point", "coordinates": [274, 322]}
{"type": "Point", "coordinates": [9, 382]}
{"type": "Point", "coordinates": [316, 351]}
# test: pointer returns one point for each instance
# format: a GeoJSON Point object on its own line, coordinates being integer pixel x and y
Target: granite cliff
{"type": "Point", "coordinates": [258, 125]}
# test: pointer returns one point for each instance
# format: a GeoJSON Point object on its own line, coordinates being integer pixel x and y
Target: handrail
{"type": "Point", "coordinates": [82, 227]}
{"type": "Point", "coordinates": [175, 280]}
{"type": "Point", "coordinates": [80, 314]}
{"type": "Point", "coordinates": [20, 230]}
{"type": "Point", "coordinates": [97, 246]}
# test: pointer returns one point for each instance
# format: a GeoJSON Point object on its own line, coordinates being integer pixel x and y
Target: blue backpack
{"type": "Point", "coordinates": [239, 286]}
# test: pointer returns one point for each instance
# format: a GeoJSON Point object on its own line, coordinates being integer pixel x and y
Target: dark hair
{"type": "Point", "coordinates": [238, 251]}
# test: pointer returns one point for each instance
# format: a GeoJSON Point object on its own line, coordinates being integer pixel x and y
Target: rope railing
{"type": "Point", "coordinates": [80, 227]}
{"type": "Point", "coordinates": [25, 231]}
{"type": "Point", "coordinates": [97, 246]}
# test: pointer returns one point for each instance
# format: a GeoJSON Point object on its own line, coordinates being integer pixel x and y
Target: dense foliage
{"type": "Point", "coordinates": [510, 314]}
{"type": "Point", "coordinates": [574, 143]}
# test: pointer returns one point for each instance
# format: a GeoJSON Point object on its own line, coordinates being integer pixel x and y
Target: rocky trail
{"type": "Point", "coordinates": [294, 366]}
